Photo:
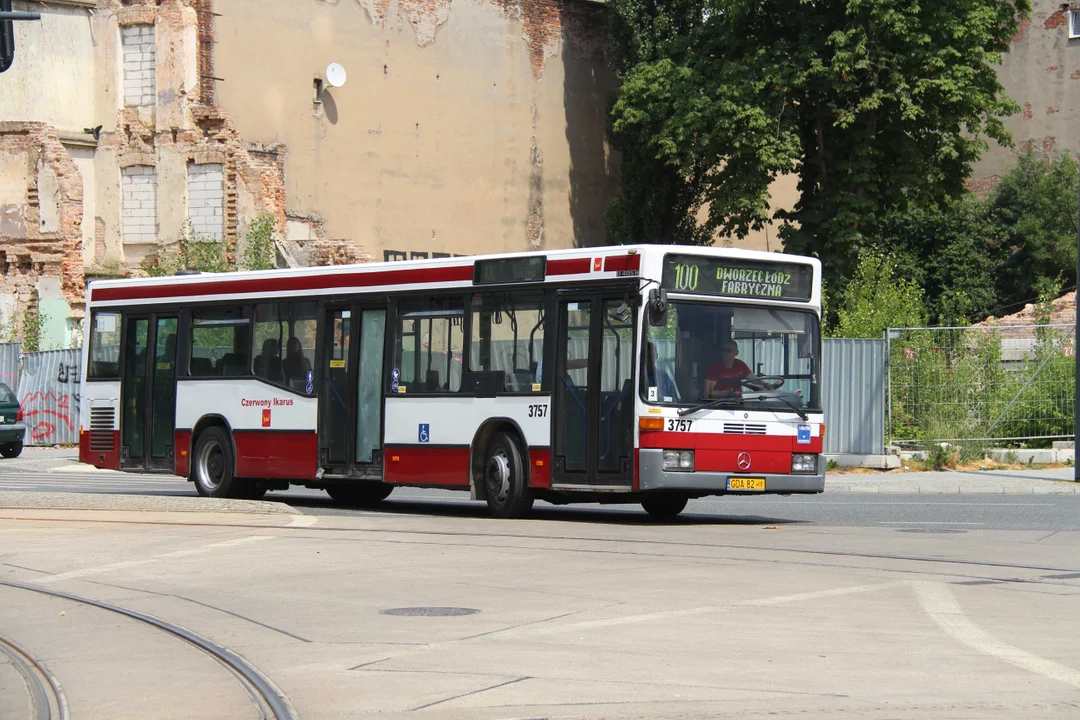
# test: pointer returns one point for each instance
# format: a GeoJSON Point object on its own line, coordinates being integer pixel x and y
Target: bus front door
{"type": "Point", "coordinates": [592, 438]}
{"type": "Point", "coordinates": [350, 399]}
{"type": "Point", "coordinates": [148, 393]}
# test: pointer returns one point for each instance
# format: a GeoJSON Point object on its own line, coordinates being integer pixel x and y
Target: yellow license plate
{"type": "Point", "coordinates": [746, 483]}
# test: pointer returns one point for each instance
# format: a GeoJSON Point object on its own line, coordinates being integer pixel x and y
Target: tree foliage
{"type": "Point", "coordinates": [877, 299]}
{"type": "Point", "coordinates": [977, 257]}
{"type": "Point", "coordinates": [876, 105]}
{"type": "Point", "coordinates": [1034, 209]}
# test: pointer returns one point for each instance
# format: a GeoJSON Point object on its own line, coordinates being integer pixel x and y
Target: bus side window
{"type": "Point", "coordinates": [104, 346]}
{"type": "Point", "coordinates": [508, 337]}
{"type": "Point", "coordinates": [429, 345]}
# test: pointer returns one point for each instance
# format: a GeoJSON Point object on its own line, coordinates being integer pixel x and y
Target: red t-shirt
{"type": "Point", "coordinates": [728, 378]}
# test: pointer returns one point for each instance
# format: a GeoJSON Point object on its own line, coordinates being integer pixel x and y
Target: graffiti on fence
{"type": "Point", "coordinates": [50, 393]}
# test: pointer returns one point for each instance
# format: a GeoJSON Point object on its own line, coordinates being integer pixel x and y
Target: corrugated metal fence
{"type": "Point", "coordinates": [853, 392]}
{"type": "Point", "coordinates": [9, 365]}
{"type": "Point", "coordinates": [49, 391]}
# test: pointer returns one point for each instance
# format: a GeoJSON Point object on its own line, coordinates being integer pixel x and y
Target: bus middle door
{"type": "Point", "coordinates": [350, 398]}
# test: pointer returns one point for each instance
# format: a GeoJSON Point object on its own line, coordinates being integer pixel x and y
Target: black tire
{"type": "Point", "coordinates": [212, 466]}
{"type": "Point", "coordinates": [664, 506]}
{"type": "Point", "coordinates": [361, 494]}
{"type": "Point", "coordinates": [505, 480]}
{"type": "Point", "coordinates": [11, 450]}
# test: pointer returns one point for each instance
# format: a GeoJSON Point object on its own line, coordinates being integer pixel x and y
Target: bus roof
{"type": "Point", "coordinates": [573, 265]}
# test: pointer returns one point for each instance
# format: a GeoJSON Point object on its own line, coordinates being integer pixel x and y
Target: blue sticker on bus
{"type": "Point", "coordinates": [804, 435]}
{"type": "Point", "coordinates": [395, 374]}
{"type": "Point", "coordinates": [309, 387]}
{"type": "Point", "coordinates": [394, 386]}
{"type": "Point", "coordinates": [425, 432]}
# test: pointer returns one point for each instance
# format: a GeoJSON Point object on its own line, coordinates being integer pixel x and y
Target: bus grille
{"type": "Point", "coordinates": [102, 422]}
{"type": "Point", "coordinates": [744, 429]}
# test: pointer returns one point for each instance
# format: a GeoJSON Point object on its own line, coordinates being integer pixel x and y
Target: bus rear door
{"type": "Point", "coordinates": [148, 392]}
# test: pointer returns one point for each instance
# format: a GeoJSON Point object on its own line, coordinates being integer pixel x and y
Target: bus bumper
{"type": "Point", "coordinates": [651, 476]}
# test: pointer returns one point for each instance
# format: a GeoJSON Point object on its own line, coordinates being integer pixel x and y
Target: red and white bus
{"type": "Point", "coordinates": [651, 374]}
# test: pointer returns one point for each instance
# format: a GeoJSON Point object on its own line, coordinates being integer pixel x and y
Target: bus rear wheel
{"type": "Point", "coordinates": [362, 494]}
{"type": "Point", "coordinates": [505, 479]}
{"type": "Point", "coordinates": [212, 469]}
{"type": "Point", "coordinates": [665, 506]}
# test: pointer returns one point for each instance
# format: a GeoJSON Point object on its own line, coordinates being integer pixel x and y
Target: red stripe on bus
{"type": "Point", "coordinates": [413, 465]}
{"type": "Point", "coordinates": [615, 263]}
{"type": "Point", "coordinates": [278, 455]}
{"type": "Point", "coordinates": [576, 266]}
{"type": "Point", "coordinates": [104, 459]}
{"type": "Point", "coordinates": [540, 468]}
{"type": "Point", "coordinates": [182, 452]}
{"type": "Point", "coordinates": [722, 441]}
{"type": "Point", "coordinates": [270, 284]}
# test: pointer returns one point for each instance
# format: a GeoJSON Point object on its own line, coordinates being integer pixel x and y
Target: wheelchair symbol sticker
{"type": "Point", "coordinates": [425, 432]}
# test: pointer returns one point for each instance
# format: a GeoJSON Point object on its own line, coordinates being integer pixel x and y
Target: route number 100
{"type": "Point", "coordinates": [686, 277]}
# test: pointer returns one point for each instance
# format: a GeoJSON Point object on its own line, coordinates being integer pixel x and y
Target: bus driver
{"type": "Point", "coordinates": [725, 377]}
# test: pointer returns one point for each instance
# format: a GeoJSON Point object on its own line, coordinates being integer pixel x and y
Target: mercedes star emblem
{"type": "Point", "coordinates": [744, 461]}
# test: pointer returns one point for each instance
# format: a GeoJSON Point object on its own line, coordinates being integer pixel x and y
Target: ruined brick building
{"type": "Point", "coordinates": [1042, 73]}
{"type": "Point", "coordinates": [464, 126]}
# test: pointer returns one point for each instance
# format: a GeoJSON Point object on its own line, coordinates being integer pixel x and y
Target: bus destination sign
{"type": "Point", "coordinates": [510, 270]}
{"type": "Point", "coordinates": [738, 277]}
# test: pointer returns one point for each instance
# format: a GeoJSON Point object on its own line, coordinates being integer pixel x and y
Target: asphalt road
{"type": "Point", "coordinates": [902, 512]}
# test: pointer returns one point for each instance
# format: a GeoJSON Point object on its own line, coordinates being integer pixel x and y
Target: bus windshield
{"type": "Point", "coordinates": [750, 357]}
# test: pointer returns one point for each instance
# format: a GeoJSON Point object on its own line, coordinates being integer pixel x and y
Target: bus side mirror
{"type": "Point", "coordinates": [658, 307]}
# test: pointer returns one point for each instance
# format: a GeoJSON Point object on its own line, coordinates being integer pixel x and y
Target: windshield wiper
{"type": "Point", "coordinates": [795, 408]}
{"type": "Point", "coordinates": [719, 402]}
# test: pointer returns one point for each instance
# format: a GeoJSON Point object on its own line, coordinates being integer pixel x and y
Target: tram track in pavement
{"type": "Point", "coordinates": [45, 693]}
{"type": "Point", "coordinates": [268, 698]}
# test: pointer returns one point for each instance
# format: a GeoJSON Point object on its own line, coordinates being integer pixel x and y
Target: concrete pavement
{"type": "Point", "coordinates": [1054, 481]}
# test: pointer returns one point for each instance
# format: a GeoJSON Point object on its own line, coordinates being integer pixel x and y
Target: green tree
{"type": "Point", "coordinates": [1034, 210]}
{"type": "Point", "coordinates": [658, 201]}
{"type": "Point", "coordinates": [876, 299]}
{"type": "Point", "coordinates": [948, 251]}
{"type": "Point", "coordinates": [874, 104]}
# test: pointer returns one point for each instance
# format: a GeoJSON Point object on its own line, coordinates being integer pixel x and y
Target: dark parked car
{"type": "Point", "coordinates": [12, 429]}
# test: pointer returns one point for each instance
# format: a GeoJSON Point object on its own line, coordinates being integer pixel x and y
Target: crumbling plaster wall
{"type": "Point", "coordinates": [182, 125]}
{"type": "Point", "coordinates": [1041, 72]}
{"type": "Point", "coordinates": [464, 126]}
{"type": "Point", "coordinates": [41, 239]}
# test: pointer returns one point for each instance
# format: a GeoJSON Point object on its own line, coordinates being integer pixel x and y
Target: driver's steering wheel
{"type": "Point", "coordinates": [749, 382]}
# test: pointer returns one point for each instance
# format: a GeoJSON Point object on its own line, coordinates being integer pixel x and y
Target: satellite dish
{"type": "Point", "coordinates": [335, 75]}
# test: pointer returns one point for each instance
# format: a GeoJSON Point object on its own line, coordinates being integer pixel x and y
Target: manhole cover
{"type": "Point", "coordinates": [429, 611]}
{"type": "Point", "coordinates": [931, 530]}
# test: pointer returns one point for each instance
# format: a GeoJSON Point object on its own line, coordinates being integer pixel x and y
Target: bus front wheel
{"type": "Point", "coordinates": [506, 480]}
{"type": "Point", "coordinates": [665, 506]}
{"type": "Point", "coordinates": [213, 466]}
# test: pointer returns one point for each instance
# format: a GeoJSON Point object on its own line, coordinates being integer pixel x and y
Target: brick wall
{"type": "Point", "coordinates": [206, 196]}
{"type": "Point", "coordinates": [140, 73]}
{"type": "Point", "coordinates": [139, 185]}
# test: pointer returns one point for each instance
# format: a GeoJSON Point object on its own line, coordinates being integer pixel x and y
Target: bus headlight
{"type": "Point", "coordinates": [679, 460]}
{"type": "Point", "coordinates": [804, 464]}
